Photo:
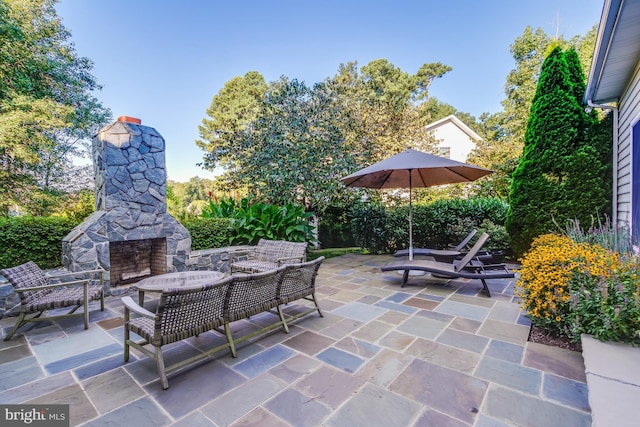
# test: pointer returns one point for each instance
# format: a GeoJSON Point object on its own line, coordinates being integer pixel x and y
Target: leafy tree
{"type": "Point", "coordinates": [560, 175]}
{"type": "Point", "coordinates": [293, 151]}
{"type": "Point", "coordinates": [290, 142]}
{"type": "Point", "coordinates": [47, 111]}
{"type": "Point", "coordinates": [231, 111]}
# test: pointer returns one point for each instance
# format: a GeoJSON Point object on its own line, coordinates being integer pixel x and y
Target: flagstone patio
{"type": "Point", "coordinates": [435, 353]}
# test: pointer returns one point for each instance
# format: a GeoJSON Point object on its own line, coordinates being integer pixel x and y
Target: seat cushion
{"type": "Point", "coordinates": [253, 266]}
{"type": "Point", "coordinates": [61, 297]}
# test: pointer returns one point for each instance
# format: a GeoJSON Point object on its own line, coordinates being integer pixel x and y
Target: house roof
{"type": "Point", "coordinates": [457, 122]}
{"type": "Point", "coordinates": [617, 51]}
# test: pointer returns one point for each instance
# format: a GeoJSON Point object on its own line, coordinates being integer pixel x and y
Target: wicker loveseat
{"type": "Point", "coordinates": [187, 312]}
{"type": "Point", "coordinates": [267, 255]}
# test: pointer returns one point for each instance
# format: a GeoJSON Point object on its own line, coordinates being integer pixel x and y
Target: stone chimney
{"type": "Point", "coordinates": [130, 234]}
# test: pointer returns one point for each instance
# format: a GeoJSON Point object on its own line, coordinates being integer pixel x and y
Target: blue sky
{"type": "Point", "coordinates": [163, 61]}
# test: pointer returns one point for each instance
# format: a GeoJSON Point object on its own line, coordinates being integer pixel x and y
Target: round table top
{"type": "Point", "coordinates": [178, 279]}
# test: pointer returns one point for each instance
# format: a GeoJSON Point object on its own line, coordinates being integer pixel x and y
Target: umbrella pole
{"type": "Point", "coordinates": [410, 219]}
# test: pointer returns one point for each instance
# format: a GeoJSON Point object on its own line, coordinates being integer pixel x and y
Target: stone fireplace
{"type": "Point", "coordinates": [130, 234]}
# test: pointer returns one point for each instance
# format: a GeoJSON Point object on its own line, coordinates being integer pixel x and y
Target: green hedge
{"type": "Point", "coordinates": [38, 239]}
{"type": "Point", "coordinates": [334, 228]}
{"type": "Point", "coordinates": [385, 230]}
{"type": "Point", "coordinates": [207, 233]}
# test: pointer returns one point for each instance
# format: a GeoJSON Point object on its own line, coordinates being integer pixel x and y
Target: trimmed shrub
{"type": "Point", "coordinates": [369, 225]}
{"type": "Point", "coordinates": [207, 233]}
{"type": "Point", "coordinates": [435, 225]}
{"type": "Point", "coordinates": [38, 239]}
{"type": "Point", "coordinates": [334, 228]}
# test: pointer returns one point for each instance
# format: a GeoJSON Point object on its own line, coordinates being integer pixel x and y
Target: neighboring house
{"type": "Point", "coordinates": [614, 80]}
{"type": "Point", "coordinates": [455, 139]}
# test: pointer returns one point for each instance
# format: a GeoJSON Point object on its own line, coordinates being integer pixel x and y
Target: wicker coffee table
{"type": "Point", "coordinates": [178, 279]}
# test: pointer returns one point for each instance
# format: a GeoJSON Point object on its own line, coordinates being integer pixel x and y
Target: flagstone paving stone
{"type": "Point", "coordinates": [80, 407]}
{"type": "Point", "coordinates": [194, 388]}
{"type": "Point", "coordinates": [384, 367]}
{"type": "Point", "coordinates": [437, 352]}
{"type": "Point", "coordinates": [241, 400]}
{"type": "Point", "coordinates": [432, 418]}
{"type": "Point", "coordinates": [375, 403]}
{"type": "Point", "coordinates": [504, 331]}
{"type": "Point", "coordinates": [359, 347]}
{"type": "Point", "coordinates": [297, 408]}
{"type": "Point", "coordinates": [139, 413]}
{"type": "Point", "coordinates": [341, 359]}
{"type": "Point", "coordinates": [112, 390]}
{"type": "Point", "coordinates": [448, 391]}
{"type": "Point", "coordinates": [397, 307]}
{"type": "Point", "coordinates": [329, 386]}
{"type": "Point", "coordinates": [264, 361]}
{"type": "Point", "coordinates": [470, 311]}
{"type": "Point", "coordinates": [422, 327]}
{"type": "Point", "coordinates": [569, 392]}
{"type": "Point", "coordinates": [509, 374]}
{"type": "Point", "coordinates": [556, 360]}
{"type": "Point", "coordinates": [505, 351]}
{"type": "Point", "coordinates": [444, 355]}
{"type": "Point", "coordinates": [466, 325]}
{"type": "Point", "coordinates": [32, 390]}
{"type": "Point", "coordinates": [260, 417]}
{"type": "Point", "coordinates": [463, 340]}
{"type": "Point", "coordinates": [196, 419]}
{"type": "Point", "coordinates": [18, 372]}
{"type": "Point", "coordinates": [515, 408]}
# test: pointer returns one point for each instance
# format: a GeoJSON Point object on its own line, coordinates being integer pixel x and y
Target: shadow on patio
{"type": "Point", "coordinates": [435, 353]}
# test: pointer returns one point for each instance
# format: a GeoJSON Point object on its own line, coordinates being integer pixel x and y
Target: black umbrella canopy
{"type": "Point", "coordinates": [427, 170]}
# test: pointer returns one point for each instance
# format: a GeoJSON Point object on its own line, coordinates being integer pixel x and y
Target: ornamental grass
{"type": "Point", "coordinates": [570, 288]}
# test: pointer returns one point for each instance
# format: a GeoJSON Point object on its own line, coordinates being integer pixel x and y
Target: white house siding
{"type": "Point", "coordinates": [452, 133]}
{"type": "Point", "coordinates": [629, 114]}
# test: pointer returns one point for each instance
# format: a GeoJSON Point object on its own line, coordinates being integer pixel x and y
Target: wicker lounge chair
{"type": "Point", "coordinates": [38, 294]}
{"type": "Point", "coordinates": [268, 255]}
{"type": "Point", "coordinates": [468, 267]}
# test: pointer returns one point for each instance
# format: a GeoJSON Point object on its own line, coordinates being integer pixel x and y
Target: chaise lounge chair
{"type": "Point", "coordinates": [442, 255]}
{"type": "Point", "coordinates": [467, 267]}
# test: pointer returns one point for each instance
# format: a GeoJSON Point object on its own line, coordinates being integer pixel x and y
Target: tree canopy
{"type": "Point", "coordinates": [288, 141]}
{"type": "Point", "coordinates": [47, 109]}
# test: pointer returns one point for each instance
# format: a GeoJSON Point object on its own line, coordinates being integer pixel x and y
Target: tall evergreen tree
{"type": "Point", "coordinates": [560, 173]}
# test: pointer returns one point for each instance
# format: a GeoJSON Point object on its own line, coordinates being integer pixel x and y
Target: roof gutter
{"type": "Point", "coordinates": [614, 198]}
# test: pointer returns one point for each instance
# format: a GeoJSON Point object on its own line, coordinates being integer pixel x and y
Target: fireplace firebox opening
{"type": "Point", "coordinates": [133, 260]}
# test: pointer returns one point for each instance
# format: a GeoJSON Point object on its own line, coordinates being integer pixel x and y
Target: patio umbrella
{"type": "Point", "coordinates": [411, 169]}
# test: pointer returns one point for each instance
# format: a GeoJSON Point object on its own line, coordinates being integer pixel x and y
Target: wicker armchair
{"type": "Point", "coordinates": [267, 255]}
{"type": "Point", "coordinates": [299, 282]}
{"type": "Point", "coordinates": [182, 313]}
{"type": "Point", "coordinates": [37, 293]}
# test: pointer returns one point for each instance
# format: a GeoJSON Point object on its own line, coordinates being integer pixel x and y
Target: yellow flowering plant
{"type": "Point", "coordinates": [553, 272]}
